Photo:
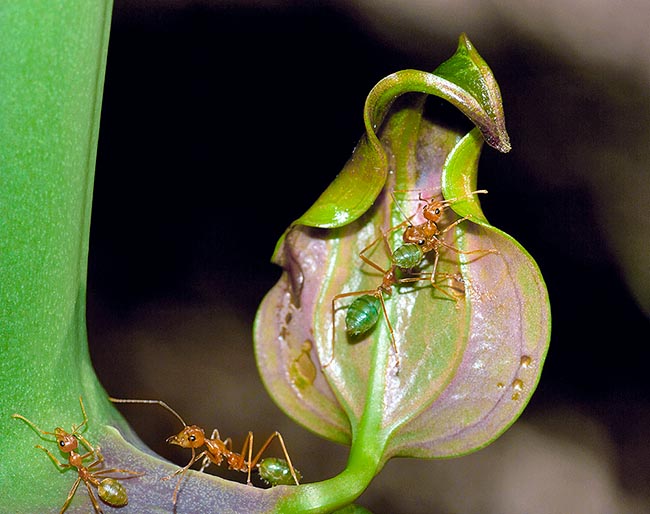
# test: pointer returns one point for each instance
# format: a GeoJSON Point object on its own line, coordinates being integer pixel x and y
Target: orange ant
{"type": "Point", "coordinates": [419, 240]}
{"type": "Point", "coordinates": [363, 313]}
{"type": "Point", "coordinates": [109, 489]}
{"type": "Point", "coordinates": [216, 450]}
{"type": "Point", "coordinates": [427, 236]}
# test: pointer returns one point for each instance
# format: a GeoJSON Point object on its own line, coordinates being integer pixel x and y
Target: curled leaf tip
{"type": "Point", "coordinates": [465, 80]}
{"type": "Point", "coordinates": [467, 70]}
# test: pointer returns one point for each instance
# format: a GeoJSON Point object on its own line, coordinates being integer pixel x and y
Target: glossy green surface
{"type": "Point", "coordinates": [469, 351]}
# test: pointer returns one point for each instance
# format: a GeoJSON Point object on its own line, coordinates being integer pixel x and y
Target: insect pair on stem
{"type": "Point", "coordinates": [109, 489]}
{"type": "Point", "coordinates": [419, 241]}
{"type": "Point", "coordinates": [274, 471]}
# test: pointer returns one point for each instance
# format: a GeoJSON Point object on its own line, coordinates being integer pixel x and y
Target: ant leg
{"type": "Point", "coordinates": [102, 472]}
{"type": "Point", "coordinates": [368, 260]}
{"type": "Point", "coordinates": [92, 451]}
{"type": "Point", "coordinates": [453, 224]}
{"type": "Point", "coordinates": [205, 463]}
{"type": "Point", "coordinates": [334, 299]}
{"type": "Point", "coordinates": [53, 457]}
{"type": "Point", "coordinates": [418, 199]}
{"type": "Point", "coordinates": [389, 251]}
{"type": "Point", "coordinates": [93, 499]}
{"type": "Point", "coordinates": [470, 252]}
{"type": "Point", "coordinates": [181, 472]}
{"type": "Point", "coordinates": [99, 458]}
{"type": "Point", "coordinates": [390, 330]}
{"type": "Point", "coordinates": [72, 492]}
{"type": "Point", "coordinates": [248, 445]}
{"type": "Point", "coordinates": [187, 466]}
{"type": "Point", "coordinates": [434, 275]}
{"type": "Point", "coordinates": [433, 282]}
{"type": "Point", "coordinates": [434, 269]}
{"type": "Point", "coordinates": [274, 435]}
{"type": "Point", "coordinates": [458, 250]}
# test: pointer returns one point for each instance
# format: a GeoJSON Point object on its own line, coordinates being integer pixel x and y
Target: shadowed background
{"type": "Point", "coordinates": [222, 122]}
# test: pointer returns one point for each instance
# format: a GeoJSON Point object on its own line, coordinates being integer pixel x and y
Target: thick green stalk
{"type": "Point", "coordinates": [52, 63]}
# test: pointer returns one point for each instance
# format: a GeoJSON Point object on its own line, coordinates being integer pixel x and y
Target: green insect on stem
{"type": "Point", "coordinates": [276, 471]}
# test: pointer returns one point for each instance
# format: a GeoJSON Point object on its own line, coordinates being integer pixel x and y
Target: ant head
{"type": "Point", "coordinates": [433, 211]}
{"type": "Point", "coordinates": [190, 437]}
{"type": "Point", "coordinates": [67, 442]}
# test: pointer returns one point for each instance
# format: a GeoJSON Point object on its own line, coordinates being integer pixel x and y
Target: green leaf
{"type": "Point", "coordinates": [287, 356]}
{"type": "Point", "coordinates": [53, 59]}
{"type": "Point", "coordinates": [471, 74]}
{"type": "Point", "coordinates": [469, 351]}
{"type": "Point", "coordinates": [353, 509]}
{"type": "Point", "coordinates": [464, 80]}
{"type": "Point", "coordinates": [507, 337]}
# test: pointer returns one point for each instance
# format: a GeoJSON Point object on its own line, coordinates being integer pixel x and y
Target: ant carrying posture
{"type": "Point", "coordinates": [419, 240]}
{"type": "Point", "coordinates": [275, 471]}
{"type": "Point", "coordinates": [427, 236]}
{"type": "Point", "coordinates": [363, 313]}
{"type": "Point", "coordinates": [109, 489]}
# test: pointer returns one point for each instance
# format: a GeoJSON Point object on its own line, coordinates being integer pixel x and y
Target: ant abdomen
{"type": "Point", "coordinates": [362, 314]}
{"type": "Point", "coordinates": [407, 256]}
{"type": "Point", "coordinates": [112, 492]}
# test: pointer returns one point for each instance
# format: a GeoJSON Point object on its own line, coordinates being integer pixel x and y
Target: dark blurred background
{"type": "Point", "coordinates": [223, 121]}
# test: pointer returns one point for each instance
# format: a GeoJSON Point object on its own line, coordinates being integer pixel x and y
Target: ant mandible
{"type": "Point", "coordinates": [109, 489]}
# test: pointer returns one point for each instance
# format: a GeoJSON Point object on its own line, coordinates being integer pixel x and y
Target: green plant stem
{"type": "Point", "coordinates": [329, 495]}
{"type": "Point", "coordinates": [366, 452]}
{"type": "Point", "coordinates": [53, 58]}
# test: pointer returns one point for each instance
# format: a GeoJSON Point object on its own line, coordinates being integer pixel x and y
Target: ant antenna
{"type": "Point", "coordinates": [151, 402]}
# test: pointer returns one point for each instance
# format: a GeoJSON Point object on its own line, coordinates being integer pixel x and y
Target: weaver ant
{"type": "Point", "coordinates": [426, 237]}
{"type": "Point", "coordinates": [217, 450]}
{"type": "Point", "coordinates": [419, 240]}
{"type": "Point", "coordinates": [363, 313]}
{"type": "Point", "coordinates": [109, 489]}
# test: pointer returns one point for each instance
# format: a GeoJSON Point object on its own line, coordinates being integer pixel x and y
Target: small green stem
{"type": "Point", "coordinates": [344, 488]}
{"type": "Point", "coordinates": [366, 453]}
